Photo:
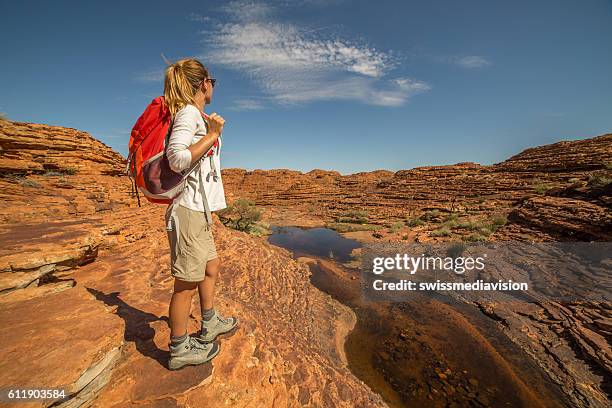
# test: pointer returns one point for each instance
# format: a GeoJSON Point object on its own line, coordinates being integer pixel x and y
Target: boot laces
{"type": "Point", "coordinates": [224, 320]}
{"type": "Point", "coordinates": [195, 344]}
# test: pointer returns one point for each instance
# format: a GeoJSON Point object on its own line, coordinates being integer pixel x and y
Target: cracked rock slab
{"type": "Point", "coordinates": [63, 340]}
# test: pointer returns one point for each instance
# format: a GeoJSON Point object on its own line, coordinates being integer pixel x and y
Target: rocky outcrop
{"type": "Point", "coordinates": [570, 342]}
{"type": "Point", "coordinates": [564, 156]}
{"type": "Point", "coordinates": [565, 218]}
{"type": "Point", "coordinates": [36, 148]}
{"type": "Point", "coordinates": [580, 212]}
{"type": "Point", "coordinates": [469, 189]}
{"type": "Point", "coordinates": [51, 173]}
{"type": "Point", "coordinates": [64, 340]}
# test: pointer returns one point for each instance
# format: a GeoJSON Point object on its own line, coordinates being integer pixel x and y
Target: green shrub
{"type": "Point", "coordinates": [353, 217]}
{"type": "Point", "coordinates": [486, 231]}
{"type": "Point", "coordinates": [441, 232]}
{"type": "Point", "coordinates": [449, 224]}
{"type": "Point", "coordinates": [599, 180]}
{"type": "Point", "coordinates": [396, 226]}
{"type": "Point", "coordinates": [540, 188]}
{"type": "Point", "coordinates": [350, 227]}
{"type": "Point", "coordinates": [468, 225]}
{"type": "Point", "coordinates": [357, 213]}
{"type": "Point", "coordinates": [258, 230]}
{"type": "Point", "coordinates": [240, 215]}
{"type": "Point", "coordinates": [431, 214]}
{"type": "Point", "coordinates": [451, 217]}
{"type": "Point", "coordinates": [61, 172]}
{"type": "Point", "coordinates": [455, 250]}
{"type": "Point", "coordinates": [499, 220]}
{"type": "Point", "coordinates": [414, 222]}
{"type": "Point", "coordinates": [608, 165]}
{"type": "Point", "coordinates": [29, 183]}
{"type": "Point", "coordinates": [475, 237]}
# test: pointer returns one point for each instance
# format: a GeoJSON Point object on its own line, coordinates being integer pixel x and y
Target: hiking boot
{"type": "Point", "coordinates": [215, 326]}
{"type": "Point", "coordinates": [191, 352]}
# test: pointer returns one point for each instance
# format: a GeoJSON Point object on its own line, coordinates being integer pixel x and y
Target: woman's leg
{"type": "Point", "coordinates": [206, 288]}
{"type": "Point", "coordinates": [213, 324]}
{"type": "Point", "coordinates": [180, 306]}
{"type": "Point", "coordinates": [185, 349]}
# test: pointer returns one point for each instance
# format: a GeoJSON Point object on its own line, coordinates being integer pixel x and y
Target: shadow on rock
{"type": "Point", "coordinates": [137, 327]}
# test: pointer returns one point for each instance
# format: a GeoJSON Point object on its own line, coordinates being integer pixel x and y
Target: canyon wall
{"type": "Point", "coordinates": [537, 189]}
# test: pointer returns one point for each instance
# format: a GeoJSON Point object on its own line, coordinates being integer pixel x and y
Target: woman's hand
{"type": "Point", "coordinates": [214, 128]}
{"type": "Point", "coordinates": [215, 123]}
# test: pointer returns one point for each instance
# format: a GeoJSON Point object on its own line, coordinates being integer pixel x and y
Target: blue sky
{"type": "Point", "coordinates": [343, 85]}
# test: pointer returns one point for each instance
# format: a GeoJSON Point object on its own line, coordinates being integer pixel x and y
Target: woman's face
{"type": "Point", "coordinates": [208, 90]}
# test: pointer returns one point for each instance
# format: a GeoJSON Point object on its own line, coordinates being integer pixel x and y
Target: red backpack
{"type": "Point", "coordinates": [147, 164]}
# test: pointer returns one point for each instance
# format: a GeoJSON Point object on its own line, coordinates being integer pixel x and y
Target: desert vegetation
{"type": "Point", "coordinates": [354, 220]}
{"type": "Point", "coordinates": [243, 215]}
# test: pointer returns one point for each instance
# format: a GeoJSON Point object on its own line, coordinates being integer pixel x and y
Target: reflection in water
{"type": "Point", "coordinates": [320, 242]}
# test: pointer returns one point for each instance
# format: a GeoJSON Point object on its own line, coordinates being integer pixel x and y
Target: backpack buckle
{"type": "Point", "coordinates": [213, 174]}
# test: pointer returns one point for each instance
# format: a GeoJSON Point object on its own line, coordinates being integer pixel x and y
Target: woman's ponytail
{"type": "Point", "coordinates": [181, 82]}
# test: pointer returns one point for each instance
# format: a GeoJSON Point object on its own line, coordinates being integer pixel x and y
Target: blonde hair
{"type": "Point", "coordinates": [181, 82]}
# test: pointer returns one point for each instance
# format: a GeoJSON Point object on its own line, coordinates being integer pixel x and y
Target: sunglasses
{"type": "Point", "coordinates": [213, 81]}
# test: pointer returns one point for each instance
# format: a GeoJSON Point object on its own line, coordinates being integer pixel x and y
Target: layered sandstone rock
{"type": "Point", "coordinates": [578, 212]}
{"type": "Point", "coordinates": [564, 156]}
{"type": "Point", "coordinates": [85, 287]}
{"type": "Point", "coordinates": [464, 188]}
{"type": "Point", "coordinates": [83, 268]}
{"type": "Point", "coordinates": [569, 341]}
{"type": "Point", "coordinates": [36, 148]}
{"type": "Point", "coordinates": [559, 192]}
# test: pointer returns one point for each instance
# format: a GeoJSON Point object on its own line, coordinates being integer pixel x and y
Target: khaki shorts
{"type": "Point", "coordinates": [196, 245]}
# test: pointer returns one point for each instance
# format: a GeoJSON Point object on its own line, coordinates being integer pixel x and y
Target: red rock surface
{"type": "Point", "coordinates": [466, 189]}
{"type": "Point", "coordinates": [82, 268]}
{"type": "Point", "coordinates": [86, 285]}
{"type": "Point", "coordinates": [558, 192]}
{"type": "Point", "coordinates": [36, 148]}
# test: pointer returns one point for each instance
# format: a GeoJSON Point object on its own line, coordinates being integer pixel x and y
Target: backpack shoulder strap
{"type": "Point", "coordinates": [208, 215]}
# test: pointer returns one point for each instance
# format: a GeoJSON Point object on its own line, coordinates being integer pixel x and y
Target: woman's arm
{"type": "Point", "coordinates": [199, 148]}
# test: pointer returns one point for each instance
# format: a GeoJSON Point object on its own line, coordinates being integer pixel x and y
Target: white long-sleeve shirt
{"type": "Point", "coordinates": [187, 129]}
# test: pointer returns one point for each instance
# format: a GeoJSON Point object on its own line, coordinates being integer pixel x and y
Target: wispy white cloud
{"type": "Point", "coordinates": [293, 64]}
{"type": "Point", "coordinates": [198, 17]}
{"type": "Point", "coordinates": [470, 61]}
{"type": "Point", "coordinates": [259, 46]}
{"type": "Point", "coordinates": [155, 75]}
{"type": "Point", "coordinates": [316, 3]}
{"type": "Point", "coordinates": [368, 90]}
{"type": "Point", "coordinates": [246, 104]}
{"type": "Point", "coordinates": [248, 10]}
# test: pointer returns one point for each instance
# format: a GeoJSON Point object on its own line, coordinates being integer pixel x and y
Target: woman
{"type": "Point", "coordinates": [188, 88]}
